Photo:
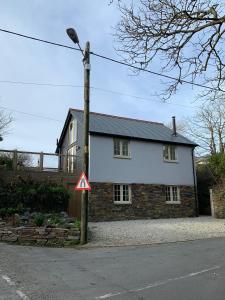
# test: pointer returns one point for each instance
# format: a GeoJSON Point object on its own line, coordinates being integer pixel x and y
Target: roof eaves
{"type": "Point", "coordinates": [63, 131]}
{"type": "Point", "coordinates": [143, 139]}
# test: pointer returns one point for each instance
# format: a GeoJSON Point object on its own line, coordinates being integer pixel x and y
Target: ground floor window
{"type": "Point", "coordinates": [122, 193]}
{"type": "Point", "coordinates": [172, 194]}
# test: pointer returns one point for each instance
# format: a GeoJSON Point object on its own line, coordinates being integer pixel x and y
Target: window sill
{"type": "Point", "coordinates": [122, 157]}
{"type": "Point", "coordinates": [173, 202]}
{"type": "Point", "coordinates": [171, 161]}
{"type": "Point", "coordinates": [123, 203]}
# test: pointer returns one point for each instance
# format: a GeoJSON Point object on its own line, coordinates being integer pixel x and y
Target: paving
{"type": "Point", "coordinates": [141, 232]}
{"type": "Point", "coordinates": [174, 271]}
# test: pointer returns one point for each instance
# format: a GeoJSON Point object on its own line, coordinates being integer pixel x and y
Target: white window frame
{"type": "Point", "coordinates": [71, 159]}
{"type": "Point", "coordinates": [169, 153]}
{"type": "Point", "coordinates": [72, 134]}
{"type": "Point", "coordinates": [121, 194]}
{"type": "Point", "coordinates": [121, 148]}
{"type": "Point", "coordinates": [171, 196]}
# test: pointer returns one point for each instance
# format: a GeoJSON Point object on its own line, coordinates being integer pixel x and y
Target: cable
{"type": "Point", "coordinates": [112, 60]}
{"type": "Point", "coordinates": [32, 115]}
{"type": "Point", "coordinates": [93, 88]}
{"type": "Point", "coordinates": [153, 72]}
{"type": "Point", "coordinates": [39, 40]}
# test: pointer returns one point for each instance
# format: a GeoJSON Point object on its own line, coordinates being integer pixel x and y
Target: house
{"type": "Point", "coordinates": [202, 160]}
{"type": "Point", "coordinates": [137, 169]}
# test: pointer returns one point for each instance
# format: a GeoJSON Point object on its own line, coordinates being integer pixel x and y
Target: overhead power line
{"type": "Point", "coordinates": [94, 88]}
{"type": "Point", "coordinates": [39, 40]}
{"type": "Point", "coordinates": [111, 59]}
{"type": "Point", "coordinates": [29, 114]}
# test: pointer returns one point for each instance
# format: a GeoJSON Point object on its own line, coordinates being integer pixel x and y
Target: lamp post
{"type": "Point", "coordinates": [86, 62]}
{"type": "Point", "coordinates": [1, 138]}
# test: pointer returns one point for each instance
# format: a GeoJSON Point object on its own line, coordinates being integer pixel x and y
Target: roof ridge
{"type": "Point", "coordinates": [118, 117]}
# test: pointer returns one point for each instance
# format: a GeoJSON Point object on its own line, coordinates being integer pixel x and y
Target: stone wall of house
{"type": "Point", "coordinates": [52, 237]}
{"type": "Point", "coordinates": [148, 201]}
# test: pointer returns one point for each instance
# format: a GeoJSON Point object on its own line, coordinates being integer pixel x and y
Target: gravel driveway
{"type": "Point", "coordinates": [138, 232]}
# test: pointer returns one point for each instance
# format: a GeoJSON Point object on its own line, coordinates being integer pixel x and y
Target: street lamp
{"type": "Point", "coordinates": [1, 138]}
{"type": "Point", "coordinates": [86, 61]}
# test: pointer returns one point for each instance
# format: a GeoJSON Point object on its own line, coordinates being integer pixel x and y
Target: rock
{"type": "Point", "coordinates": [2, 224]}
{"type": "Point", "coordinates": [16, 220]}
{"type": "Point", "coordinates": [72, 238]}
{"type": "Point", "coordinates": [41, 242]}
{"type": "Point", "coordinates": [12, 237]}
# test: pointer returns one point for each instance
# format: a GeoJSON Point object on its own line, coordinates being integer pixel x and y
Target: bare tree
{"type": "Point", "coordinates": [207, 127]}
{"type": "Point", "coordinates": [180, 126]}
{"type": "Point", "coordinates": [5, 121]}
{"type": "Point", "coordinates": [187, 36]}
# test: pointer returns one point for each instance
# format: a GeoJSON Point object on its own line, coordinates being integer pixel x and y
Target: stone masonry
{"type": "Point", "coordinates": [148, 202]}
{"type": "Point", "coordinates": [41, 236]}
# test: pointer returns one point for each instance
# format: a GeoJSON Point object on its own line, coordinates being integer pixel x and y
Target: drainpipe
{"type": "Point", "coordinates": [195, 185]}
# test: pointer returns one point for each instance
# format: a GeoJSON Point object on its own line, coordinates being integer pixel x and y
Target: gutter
{"type": "Point", "coordinates": [195, 185]}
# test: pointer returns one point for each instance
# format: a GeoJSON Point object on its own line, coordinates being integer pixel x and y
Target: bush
{"type": "Point", "coordinates": [23, 160]}
{"type": "Point", "coordinates": [39, 220]}
{"type": "Point", "coordinates": [42, 197]}
{"type": "Point", "coordinates": [77, 224]}
{"type": "Point", "coordinates": [217, 165]}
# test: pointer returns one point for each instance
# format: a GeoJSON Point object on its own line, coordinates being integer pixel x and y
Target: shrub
{"type": "Point", "coordinates": [217, 165]}
{"type": "Point", "coordinates": [39, 220]}
{"type": "Point", "coordinates": [77, 224]}
{"type": "Point", "coordinates": [42, 197]}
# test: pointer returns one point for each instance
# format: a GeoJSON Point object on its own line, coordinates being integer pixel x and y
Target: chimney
{"type": "Point", "coordinates": [174, 125]}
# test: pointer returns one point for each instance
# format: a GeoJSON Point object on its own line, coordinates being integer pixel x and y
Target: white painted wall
{"type": "Point", "coordinates": [145, 166]}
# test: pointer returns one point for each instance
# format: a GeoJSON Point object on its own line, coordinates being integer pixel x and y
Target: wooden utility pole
{"type": "Point", "coordinates": [84, 199]}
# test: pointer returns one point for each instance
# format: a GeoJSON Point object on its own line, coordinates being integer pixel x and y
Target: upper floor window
{"type": "Point", "coordinates": [72, 132]}
{"type": "Point", "coordinates": [169, 153]}
{"type": "Point", "coordinates": [121, 148]}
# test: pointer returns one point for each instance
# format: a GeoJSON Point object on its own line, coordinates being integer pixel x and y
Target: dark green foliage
{"type": "Point", "coordinates": [205, 180]}
{"type": "Point", "coordinates": [6, 161]}
{"type": "Point", "coordinates": [77, 224]}
{"type": "Point", "coordinates": [217, 165]}
{"type": "Point", "coordinates": [36, 196]}
{"type": "Point", "coordinates": [39, 220]}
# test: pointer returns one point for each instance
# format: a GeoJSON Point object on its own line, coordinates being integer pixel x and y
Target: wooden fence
{"type": "Point", "coordinates": [41, 166]}
{"type": "Point", "coordinates": [38, 161]}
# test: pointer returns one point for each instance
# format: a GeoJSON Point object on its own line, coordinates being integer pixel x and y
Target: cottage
{"type": "Point", "coordinates": [138, 169]}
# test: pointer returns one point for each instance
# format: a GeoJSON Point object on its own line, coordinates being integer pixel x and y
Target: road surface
{"type": "Point", "coordinates": [188, 270]}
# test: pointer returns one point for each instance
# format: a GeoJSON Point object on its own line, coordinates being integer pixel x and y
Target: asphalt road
{"type": "Point", "coordinates": [176, 271]}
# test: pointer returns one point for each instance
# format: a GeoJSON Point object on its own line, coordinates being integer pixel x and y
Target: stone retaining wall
{"type": "Point", "coordinates": [148, 201]}
{"type": "Point", "coordinates": [52, 237]}
{"type": "Point", "coordinates": [219, 202]}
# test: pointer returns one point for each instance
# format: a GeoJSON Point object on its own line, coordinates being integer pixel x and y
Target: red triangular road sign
{"type": "Point", "coordinates": [83, 183]}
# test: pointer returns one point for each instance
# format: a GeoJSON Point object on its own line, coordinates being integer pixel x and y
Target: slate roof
{"type": "Point", "coordinates": [132, 128]}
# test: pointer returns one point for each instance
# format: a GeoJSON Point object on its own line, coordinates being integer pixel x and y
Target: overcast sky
{"type": "Point", "coordinates": [29, 61]}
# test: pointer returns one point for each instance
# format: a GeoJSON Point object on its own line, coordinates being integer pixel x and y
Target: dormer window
{"type": "Point", "coordinates": [170, 153]}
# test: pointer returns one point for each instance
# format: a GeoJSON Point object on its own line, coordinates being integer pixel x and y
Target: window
{"type": "Point", "coordinates": [172, 194]}
{"type": "Point", "coordinates": [71, 159]}
{"type": "Point", "coordinates": [72, 132]}
{"type": "Point", "coordinates": [169, 153]}
{"type": "Point", "coordinates": [121, 148]}
{"type": "Point", "coordinates": [122, 193]}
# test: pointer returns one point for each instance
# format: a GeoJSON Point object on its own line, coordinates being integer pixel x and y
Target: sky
{"type": "Point", "coordinates": [25, 60]}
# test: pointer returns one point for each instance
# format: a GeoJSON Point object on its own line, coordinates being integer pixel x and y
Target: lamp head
{"type": "Point", "coordinates": [72, 35]}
